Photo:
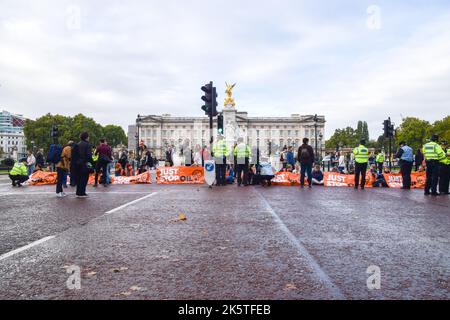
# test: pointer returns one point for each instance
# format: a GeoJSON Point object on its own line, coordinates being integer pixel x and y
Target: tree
{"type": "Point", "coordinates": [414, 132]}
{"type": "Point", "coordinates": [442, 129]}
{"type": "Point", "coordinates": [344, 137]}
{"type": "Point", "coordinates": [114, 135]}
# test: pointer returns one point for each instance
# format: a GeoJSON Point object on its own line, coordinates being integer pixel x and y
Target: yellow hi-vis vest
{"type": "Point", "coordinates": [95, 157]}
{"type": "Point", "coordinates": [361, 154]}
{"type": "Point", "coordinates": [19, 169]}
{"type": "Point", "coordinates": [242, 150]}
{"type": "Point", "coordinates": [433, 151]}
{"type": "Point", "coordinates": [380, 158]}
{"type": "Point", "coordinates": [447, 159]}
{"type": "Point", "coordinates": [220, 149]}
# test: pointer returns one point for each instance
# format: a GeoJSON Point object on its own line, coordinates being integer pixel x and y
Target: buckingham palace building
{"type": "Point", "coordinates": [269, 134]}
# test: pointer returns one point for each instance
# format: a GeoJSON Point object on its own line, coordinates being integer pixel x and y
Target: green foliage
{"type": "Point", "coordinates": [442, 128]}
{"type": "Point", "coordinates": [69, 128]}
{"type": "Point", "coordinates": [414, 132]}
{"type": "Point", "coordinates": [114, 135]}
{"type": "Point", "coordinates": [344, 137]}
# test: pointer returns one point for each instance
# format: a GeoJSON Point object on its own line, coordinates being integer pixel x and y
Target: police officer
{"type": "Point", "coordinates": [444, 172]}
{"type": "Point", "coordinates": [380, 161]}
{"type": "Point", "coordinates": [242, 156]}
{"type": "Point", "coordinates": [405, 154]}
{"type": "Point", "coordinates": [220, 153]}
{"type": "Point", "coordinates": [18, 173]}
{"type": "Point", "coordinates": [361, 159]}
{"type": "Point", "coordinates": [433, 154]}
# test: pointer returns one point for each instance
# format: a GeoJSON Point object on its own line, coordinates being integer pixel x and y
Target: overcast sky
{"type": "Point", "coordinates": [347, 60]}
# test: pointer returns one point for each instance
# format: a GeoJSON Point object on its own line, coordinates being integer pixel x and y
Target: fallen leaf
{"type": "Point", "coordinates": [117, 270]}
{"type": "Point", "coordinates": [290, 286]}
{"type": "Point", "coordinates": [137, 288]}
{"type": "Point", "coordinates": [181, 217]}
{"type": "Point", "coordinates": [125, 293]}
{"type": "Point", "coordinates": [92, 273]}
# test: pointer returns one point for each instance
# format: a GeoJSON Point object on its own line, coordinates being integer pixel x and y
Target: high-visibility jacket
{"type": "Point", "coordinates": [220, 149]}
{"type": "Point", "coordinates": [242, 150]}
{"type": "Point", "coordinates": [433, 151]}
{"type": "Point", "coordinates": [380, 158]}
{"type": "Point", "coordinates": [19, 169]}
{"type": "Point", "coordinates": [95, 157]}
{"type": "Point", "coordinates": [447, 158]}
{"type": "Point", "coordinates": [361, 154]}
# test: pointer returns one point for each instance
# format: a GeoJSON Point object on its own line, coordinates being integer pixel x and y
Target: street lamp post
{"type": "Point", "coordinates": [316, 119]}
{"type": "Point", "coordinates": [138, 125]}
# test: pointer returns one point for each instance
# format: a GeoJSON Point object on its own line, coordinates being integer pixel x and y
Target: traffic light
{"type": "Point", "coordinates": [391, 131]}
{"type": "Point", "coordinates": [210, 99]}
{"type": "Point", "coordinates": [54, 132]}
{"type": "Point", "coordinates": [220, 124]}
{"type": "Point", "coordinates": [386, 125]}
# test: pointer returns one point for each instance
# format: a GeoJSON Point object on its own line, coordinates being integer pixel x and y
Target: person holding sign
{"type": "Point", "coordinates": [361, 159]}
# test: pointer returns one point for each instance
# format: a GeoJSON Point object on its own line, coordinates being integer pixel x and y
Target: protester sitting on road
{"type": "Point", "coordinates": [18, 173]}
{"type": "Point", "coordinates": [334, 170]}
{"type": "Point", "coordinates": [267, 174]}
{"type": "Point", "coordinates": [230, 177]}
{"type": "Point", "coordinates": [317, 176]}
{"type": "Point", "coordinates": [118, 170]}
{"type": "Point", "coordinates": [421, 169]}
{"type": "Point", "coordinates": [129, 171]}
{"type": "Point", "coordinates": [37, 168]}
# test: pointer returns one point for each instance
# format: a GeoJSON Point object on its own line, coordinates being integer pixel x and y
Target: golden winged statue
{"type": "Point", "coordinates": [229, 101]}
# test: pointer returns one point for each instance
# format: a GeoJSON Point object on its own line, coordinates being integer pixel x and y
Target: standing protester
{"type": "Point", "coordinates": [18, 173]}
{"type": "Point", "coordinates": [169, 156]}
{"type": "Point", "coordinates": [361, 159]}
{"type": "Point", "coordinates": [40, 159]}
{"type": "Point", "coordinates": [104, 155]}
{"type": "Point", "coordinates": [220, 153]}
{"type": "Point", "coordinates": [418, 159]}
{"type": "Point", "coordinates": [123, 160]}
{"type": "Point", "coordinates": [242, 154]}
{"type": "Point", "coordinates": [72, 169]}
{"type": "Point", "coordinates": [306, 159]}
{"type": "Point", "coordinates": [380, 161]}
{"type": "Point", "coordinates": [406, 158]}
{"type": "Point", "coordinates": [31, 163]}
{"type": "Point", "coordinates": [433, 154]}
{"type": "Point", "coordinates": [444, 172]}
{"type": "Point", "coordinates": [83, 165]}
{"type": "Point", "coordinates": [341, 163]}
{"type": "Point", "coordinates": [62, 167]}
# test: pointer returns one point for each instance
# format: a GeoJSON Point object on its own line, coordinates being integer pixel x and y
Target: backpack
{"type": "Point", "coordinates": [304, 154]}
{"type": "Point", "coordinates": [54, 154]}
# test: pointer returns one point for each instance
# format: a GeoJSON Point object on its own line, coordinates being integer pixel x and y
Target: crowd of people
{"type": "Point", "coordinates": [79, 160]}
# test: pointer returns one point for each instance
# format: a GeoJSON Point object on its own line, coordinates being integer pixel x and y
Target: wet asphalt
{"type": "Point", "coordinates": [246, 243]}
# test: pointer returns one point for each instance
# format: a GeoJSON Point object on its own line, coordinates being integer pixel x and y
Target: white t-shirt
{"type": "Point", "coordinates": [341, 161]}
{"type": "Point", "coordinates": [266, 169]}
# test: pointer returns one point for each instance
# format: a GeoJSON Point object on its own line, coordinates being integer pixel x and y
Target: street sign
{"type": "Point", "coordinates": [210, 172]}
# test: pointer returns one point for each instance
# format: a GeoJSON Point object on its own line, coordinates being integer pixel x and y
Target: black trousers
{"type": "Point", "coordinates": [242, 169]}
{"type": "Point", "coordinates": [444, 178]}
{"type": "Point", "coordinates": [221, 171]}
{"type": "Point", "coordinates": [380, 167]}
{"type": "Point", "coordinates": [73, 176]}
{"type": "Point", "coordinates": [18, 179]}
{"type": "Point", "coordinates": [82, 178]}
{"type": "Point", "coordinates": [59, 179]}
{"type": "Point", "coordinates": [432, 176]}
{"type": "Point", "coordinates": [406, 168]}
{"type": "Point", "coordinates": [360, 170]}
{"type": "Point", "coordinates": [101, 166]}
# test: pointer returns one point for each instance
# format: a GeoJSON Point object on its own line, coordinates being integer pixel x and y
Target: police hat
{"type": "Point", "coordinates": [434, 138]}
{"type": "Point", "coordinates": [23, 160]}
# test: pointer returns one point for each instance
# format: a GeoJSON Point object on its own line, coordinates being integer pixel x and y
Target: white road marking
{"type": "Point", "coordinates": [130, 203]}
{"type": "Point", "coordinates": [36, 243]}
{"type": "Point", "coordinates": [334, 290]}
{"type": "Point", "coordinates": [69, 194]}
{"type": "Point", "coordinates": [28, 246]}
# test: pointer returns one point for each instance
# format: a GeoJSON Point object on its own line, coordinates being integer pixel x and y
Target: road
{"type": "Point", "coordinates": [247, 243]}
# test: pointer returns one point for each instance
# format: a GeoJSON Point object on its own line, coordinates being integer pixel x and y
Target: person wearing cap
{"type": "Point", "coordinates": [62, 168]}
{"type": "Point", "coordinates": [444, 172]}
{"type": "Point", "coordinates": [18, 173]}
{"type": "Point", "coordinates": [433, 154]}
{"type": "Point", "coordinates": [220, 153]}
{"type": "Point", "coordinates": [361, 154]}
{"type": "Point", "coordinates": [405, 154]}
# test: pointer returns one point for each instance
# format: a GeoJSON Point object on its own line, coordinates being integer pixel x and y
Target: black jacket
{"type": "Point", "coordinates": [303, 159]}
{"type": "Point", "coordinates": [83, 153]}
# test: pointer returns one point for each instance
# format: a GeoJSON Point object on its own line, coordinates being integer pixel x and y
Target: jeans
{"type": "Point", "coordinates": [108, 172]}
{"type": "Point", "coordinates": [103, 166]}
{"type": "Point", "coordinates": [61, 174]}
{"type": "Point", "coordinates": [360, 170]}
{"type": "Point", "coordinates": [380, 167]}
{"type": "Point", "coordinates": [406, 168]}
{"type": "Point", "coordinates": [306, 169]}
{"type": "Point", "coordinates": [30, 169]}
{"type": "Point", "coordinates": [221, 171]}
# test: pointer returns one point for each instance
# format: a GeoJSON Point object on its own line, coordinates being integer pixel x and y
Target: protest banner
{"type": "Point", "coordinates": [180, 175]}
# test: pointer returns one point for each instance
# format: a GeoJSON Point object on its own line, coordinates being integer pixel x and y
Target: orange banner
{"type": "Point", "coordinates": [395, 181]}
{"type": "Point", "coordinates": [180, 175]}
{"type": "Point", "coordinates": [332, 179]}
{"type": "Point", "coordinates": [287, 179]}
{"type": "Point", "coordinates": [41, 178]}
